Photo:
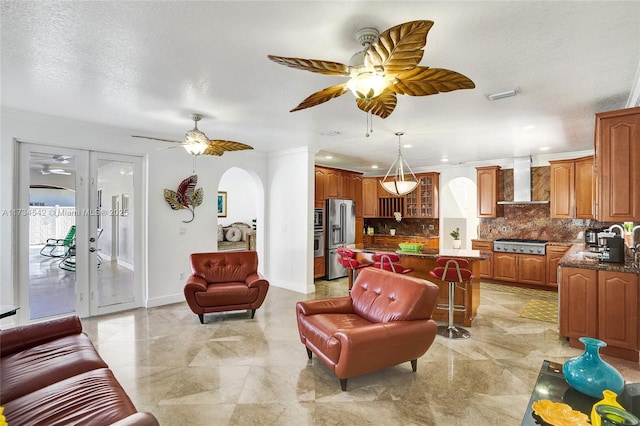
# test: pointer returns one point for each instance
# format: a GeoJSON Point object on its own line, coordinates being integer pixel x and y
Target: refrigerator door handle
{"type": "Point", "coordinates": [343, 222]}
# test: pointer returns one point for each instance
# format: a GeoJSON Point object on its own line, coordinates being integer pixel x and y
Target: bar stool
{"type": "Point", "coordinates": [453, 271]}
{"type": "Point", "coordinates": [347, 258]}
{"type": "Point", "coordinates": [389, 262]}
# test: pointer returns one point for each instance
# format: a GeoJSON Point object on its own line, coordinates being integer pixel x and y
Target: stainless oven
{"type": "Point", "coordinates": [318, 224]}
{"type": "Point", "coordinates": [318, 243]}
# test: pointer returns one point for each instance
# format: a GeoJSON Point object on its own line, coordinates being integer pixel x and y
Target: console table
{"type": "Point", "coordinates": [551, 385]}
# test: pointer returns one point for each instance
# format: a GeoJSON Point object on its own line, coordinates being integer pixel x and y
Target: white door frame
{"type": "Point", "coordinates": [86, 206]}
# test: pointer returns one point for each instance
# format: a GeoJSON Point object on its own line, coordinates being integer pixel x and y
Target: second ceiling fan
{"type": "Point", "coordinates": [388, 66]}
{"type": "Point", "coordinates": [197, 143]}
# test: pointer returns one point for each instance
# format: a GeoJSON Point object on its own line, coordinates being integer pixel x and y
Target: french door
{"type": "Point", "coordinates": [79, 232]}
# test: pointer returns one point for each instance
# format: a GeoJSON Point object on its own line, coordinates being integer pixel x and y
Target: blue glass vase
{"type": "Point", "coordinates": [589, 374]}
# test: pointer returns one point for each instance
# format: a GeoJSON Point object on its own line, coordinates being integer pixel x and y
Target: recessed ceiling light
{"type": "Point", "coordinates": [328, 157]}
{"type": "Point", "coordinates": [529, 127]}
{"type": "Point", "coordinates": [444, 160]}
{"type": "Point", "coordinates": [544, 148]}
{"type": "Point", "coordinates": [374, 166]}
{"type": "Point", "coordinates": [330, 133]}
{"type": "Point", "coordinates": [501, 95]}
{"type": "Point", "coordinates": [407, 145]}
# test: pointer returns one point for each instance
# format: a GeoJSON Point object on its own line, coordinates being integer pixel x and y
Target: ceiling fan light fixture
{"type": "Point", "coordinates": [196, 148]}
{"type": "Point", "coordinates": [367, 85]}
{"type": "Point", "coordinates": [396, 181]}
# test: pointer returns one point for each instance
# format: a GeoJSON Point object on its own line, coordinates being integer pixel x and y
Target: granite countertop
{"type": "Point", "coordinates": [428, 253]}
{"type": "Point", "coordinates": [579, 256]}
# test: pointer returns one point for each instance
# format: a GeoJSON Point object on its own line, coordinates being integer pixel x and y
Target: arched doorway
{"type": "Point", "coordinates": [240, 210]}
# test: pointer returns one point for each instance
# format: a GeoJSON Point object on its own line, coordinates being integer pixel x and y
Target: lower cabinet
{"type": "Point", "coordinates": [318, 267]}
{"type": "Point", "coordinates": [486, 266]}
{"type": "Point", "coordinates": [554, 255]}
{"type": "Point", "coordinates": [603, 305]}
{"type": "Point", "coordinates": [521, 268]}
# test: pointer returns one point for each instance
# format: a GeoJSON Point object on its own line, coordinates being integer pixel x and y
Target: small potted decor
{"type": "Point", "coordinates": [628, 235]}
{"type": "Point", "coordinates": [456, 238]}
{"type": "Point", "coordinates": [392, 231]}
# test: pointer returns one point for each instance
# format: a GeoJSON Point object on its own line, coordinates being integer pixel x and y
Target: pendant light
{"type": "Point", "coordinates": [396, 182]}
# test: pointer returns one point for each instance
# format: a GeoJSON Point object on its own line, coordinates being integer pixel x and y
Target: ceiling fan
{"type": "Point", "coordinates": [197, 143]}
{"type": "Point", "coordinates": [388, 66]}
{"type": "Point", "coordinates": [46, 170]}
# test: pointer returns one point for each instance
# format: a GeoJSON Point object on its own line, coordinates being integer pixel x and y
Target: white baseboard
{"type": "Point", "coordinates": [165, 300]}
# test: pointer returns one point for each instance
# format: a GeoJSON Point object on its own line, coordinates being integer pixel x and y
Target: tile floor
{"type": "Point", "coordinates": [237, 371]}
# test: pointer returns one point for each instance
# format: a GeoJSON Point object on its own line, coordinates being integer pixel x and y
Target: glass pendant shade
{"type": "Point", "coordinates": [195, 148]}
{"type": "Point", "coordinates": [367, 85]}
{"type": "Point", "coordinates": [396, 181]}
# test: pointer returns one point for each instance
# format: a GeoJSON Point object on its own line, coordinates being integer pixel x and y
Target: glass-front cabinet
{"type": "Point", "coordinates": [423, 202]}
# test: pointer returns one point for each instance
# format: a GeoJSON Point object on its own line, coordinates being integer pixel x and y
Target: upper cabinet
{"type": "Point", "coordinates": [320, 180]}
{"type": "Point", "coordinates": [423, 201]}
{"type": "Point", "coordinates": [487, 181]}
{"type": "Point", "coordinates": [617, 156]}
{"type": "Point", "coordinates": [370, 197]}
{"type": "Point", "coordinates": [572, 188]}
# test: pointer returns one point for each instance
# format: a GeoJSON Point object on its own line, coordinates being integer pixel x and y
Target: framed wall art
{"type": "Point", "coordinates": [222, 204]}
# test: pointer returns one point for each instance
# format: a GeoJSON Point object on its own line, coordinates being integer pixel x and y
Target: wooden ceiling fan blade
{"type": "Point", "coordinates": [213, 150]}
{"type": "Point", "coordinates": [228, 145]}
{"type": "Point", "coordinates": [399, 48]}
{"type": "Point", "coordinates": [314, 65]}
{"type": "Point", "coordinates": [157, 139]}
{"type": "Point", "coordinates": [382, 106]}
{"type": "Point", "coordinates": [322, 96]}
{"type": "Point", "coordinates": [423, 81]}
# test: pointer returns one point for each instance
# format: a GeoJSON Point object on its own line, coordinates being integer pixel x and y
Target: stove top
{"type": "Point", "coordinates": [520, 240]}
{"type": "Point", "coordinates": [520, 245]}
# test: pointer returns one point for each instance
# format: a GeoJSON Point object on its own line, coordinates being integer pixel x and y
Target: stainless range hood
{"type": "Point", "coordinates": [522, 182]}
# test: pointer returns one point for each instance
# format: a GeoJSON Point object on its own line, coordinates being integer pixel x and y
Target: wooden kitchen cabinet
{"type": "Point", "coordinates": [370, 197]}
{"type": "Point", "coordinates": [578, 294]}
{"type": "Point", "coordinates": [486, 266]}
{"type": "Point", "coordinates": [333, 186]}
{"type": "Point", "coordinates": [356, 193]}
{"type": "Point", "coordinates": [488, 181]}
{"type": "Point", "coordinates": [618, 309]}
{"type": "Point", "coordinates": [601, 304]}
{"type": "Point", "coordinates": [572, 188]}
{"type": "Point", "coordinates": [423, 201]}
{"type": "Point", "coordinates": [554, 255]}
{"type": "Point", "coordinates": [318, 267]}
{"type": "Point", "coordinates": [521, 268]}
{"type": "Point", "coordinates": [320, 178]}
{"type": "Point", "coordinates": [617, 155]}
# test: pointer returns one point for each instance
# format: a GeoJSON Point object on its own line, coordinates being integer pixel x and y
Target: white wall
{"type": "Point", "coordinates": [282, 182]}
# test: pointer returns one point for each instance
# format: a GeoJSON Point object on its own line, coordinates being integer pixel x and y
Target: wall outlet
{"type": "Point", "coordinates": [182, 276]}
{"type": "Point", "coordinates": [182, 230]}
{"type": "Point", "coordinates": [431, 227]}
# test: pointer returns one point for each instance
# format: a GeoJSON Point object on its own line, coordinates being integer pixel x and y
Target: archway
{"type": "Point", "coordinates": [240, 210]}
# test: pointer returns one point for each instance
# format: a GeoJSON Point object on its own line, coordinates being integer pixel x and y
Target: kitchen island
{"type": "Point", "coordinates": [424, 261]}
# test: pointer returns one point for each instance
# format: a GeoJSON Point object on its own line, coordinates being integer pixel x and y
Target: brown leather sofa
{"type": "Point", "coordinates": [225, 281]}
{"type": "Point", "coordinates": [385, 321]}
{"type": "Point", "coordinates": [50, 373]}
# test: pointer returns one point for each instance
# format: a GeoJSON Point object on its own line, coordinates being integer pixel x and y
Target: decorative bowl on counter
{"type": "Point", "coordinates": [410, 247]}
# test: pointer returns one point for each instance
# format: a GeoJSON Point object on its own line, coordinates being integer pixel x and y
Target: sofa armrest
{"type": "Point", "coordinates": [388, 334]}
{"type": "Point", "coordinates": [22, 337]}
{"type": "Point", "coordinates": [255, 280]}
{"type": "Point", "coordinates": [194, 284]}
{"type": "Point", "coordinates": [138, 419]}
{"type": "Point", "coordinates": [336, 305]}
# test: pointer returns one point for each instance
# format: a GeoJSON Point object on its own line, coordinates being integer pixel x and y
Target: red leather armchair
{"type": "Point", "coordinates": [225, 281]}
{"type": "Point", "coordinates": [385, 321]}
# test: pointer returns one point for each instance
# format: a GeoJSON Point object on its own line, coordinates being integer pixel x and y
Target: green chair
{"type": "Point", "coordinates": [68, 263]}
{"type": "Point", "coordinates": [59, 247]}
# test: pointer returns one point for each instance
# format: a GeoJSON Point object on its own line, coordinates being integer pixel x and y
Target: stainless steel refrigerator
{"type": "Point", "coordinates": [341, 230]}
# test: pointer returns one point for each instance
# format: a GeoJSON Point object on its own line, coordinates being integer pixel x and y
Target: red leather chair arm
{"type": "Point", "coordinates": [389, 334]}
{"type": "Point", "coordinates": [336, 305]}
{"type": "Point", "coordinates": [255, 280]}
{"type": "Point", "coordinates": [195, 284]}
{"type": "Point", "coordinates": [26, 336]}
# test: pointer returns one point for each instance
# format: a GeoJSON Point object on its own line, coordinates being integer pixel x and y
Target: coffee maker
{"type": "Point", "coordinates": [591, 237]}
{"type": "Point", "coordinates": [611, 247]}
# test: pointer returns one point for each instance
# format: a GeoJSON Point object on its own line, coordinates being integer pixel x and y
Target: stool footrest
{"type": "Point", "coordinates": [456, 308]}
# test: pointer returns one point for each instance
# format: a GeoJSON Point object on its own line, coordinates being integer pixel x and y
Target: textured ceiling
{"type": "Point", "coordinates": [145, 66]}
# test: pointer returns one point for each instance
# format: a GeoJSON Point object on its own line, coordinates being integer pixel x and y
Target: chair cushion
{"type": "Point", "coordinates": [28, 370]}
{"type": "Point", "coordinates": [226, 294]}
{"type": "Point", "coordinates": [91, 398]}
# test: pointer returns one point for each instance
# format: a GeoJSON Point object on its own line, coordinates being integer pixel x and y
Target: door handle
{"type": "Point", "coordinates": [92, 240]}
{"type": "Point", "coordinates": [92, 249]}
